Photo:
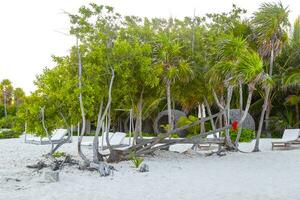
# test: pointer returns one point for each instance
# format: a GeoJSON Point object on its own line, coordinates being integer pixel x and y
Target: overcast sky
{"type": "Point", "coordinates": [31, 30]}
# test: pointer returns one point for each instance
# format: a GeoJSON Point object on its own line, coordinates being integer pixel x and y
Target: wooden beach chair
{"type": "Point", "coordinates": [289, 137]}
{"type": "Point", "coordinates": [58, 136]}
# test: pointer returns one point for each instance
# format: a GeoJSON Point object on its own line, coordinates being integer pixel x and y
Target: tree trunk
{"type": "Point", "coordinates": [168, 89]}
{"type": "Point", "coordinates": [84, 158]}
{"type": "Point", "coordinates": [5, 104]}
{"type": "Point", "coordinates": [261, 121]}
{"type": "Point", "coordinates": [248, 103]}
{"type": "Point", "coordinates": [138, 126]}
{"type": "Point", "coordinates": [209, 114]}
{"type": "Point", "coordinates": [227, 116]}
{"type": "Point", "coordinates": [268, 112]}
{"type": "Point", "coordinates": [88, 127]}
{"type": "Point", "coordinates": [241, 113]}
{"type": "Point", "coordinates": [297, 113]}
{"type": "Point", "coordinates": [96, 155]}
{"type": "Point", "coordinates": [101, 120]}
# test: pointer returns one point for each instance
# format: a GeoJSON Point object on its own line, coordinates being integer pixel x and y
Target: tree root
{"type": "Point", "coordinates": [220, 153]}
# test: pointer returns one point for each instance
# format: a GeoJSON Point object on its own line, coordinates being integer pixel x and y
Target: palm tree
{"type": "Point", "coordinates": [270, 24]}
{"type": "Point", "coordinates": [236, 65]}
{"type": "Point", "coordinates": [19, 96]}
{"type": "Point", "coordinates": [296, 32]}
{"type": "Point", "coordinates": [7, 90]}
{"type": "Point", "coordinates": [292, 79]}
{"type": "Point", "coordinates": [167, 52]}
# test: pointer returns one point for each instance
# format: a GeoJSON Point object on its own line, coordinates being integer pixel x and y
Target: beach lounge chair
{"type": "Point", "coordinates": [58, 135]}
{"type": "Point", "coordinates": [289, 137]}
{"type": "Point", "coordinates": [115, 139]}
{"type": "Point", "coordinates": [208, 145]}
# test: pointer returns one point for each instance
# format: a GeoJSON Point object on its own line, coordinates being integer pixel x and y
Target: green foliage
{"type": "Point", "coordinates": [7, 122]}
{"type": "Point", "coordinates": [270, 23]}
{"type": "Point", "coordinates": [7, 133]}
{"type": "Point", "coordinates": [136, 161]}
{"type": "Point", "coordinates": [195, 55]}
{"type": "Point", "coordinates": [247, 135]}
{"type": "Point", "coordinates": [58, 154]}
{"type": "Point", "coordinates": [183, 121]}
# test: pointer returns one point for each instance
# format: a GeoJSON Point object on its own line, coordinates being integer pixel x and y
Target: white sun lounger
{"type": "Point", "coordinates": [115, 139]}
{"type": "Point", "coordinates": [58, 135]}
{"type": "Point", "coordinates": [289, 137]}
{"type": "Point", "coordinates": [208, 145]}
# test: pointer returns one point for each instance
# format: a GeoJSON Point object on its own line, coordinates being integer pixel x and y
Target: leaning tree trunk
{"type": "Point", "coordinates": [261, 121]}
{"type": "Point", "coordinates": [96, 155]}
{"type": "Point", "coordinates": [227, 117]}
{"type": "Point", "coordinates": [212, 122]}
{"type": "Point", "coordinates": [241, 111]}
{"type": "Point", "coordinates": [46, 130]}
{"type": "Point", "coordinates": [168, 90]}
{"type": "Point", "coordinates": [268, 111]}
{"type": "Point", "coordinates": [80, 153]}
{"type": "Point", "coordinates": [251, 88]}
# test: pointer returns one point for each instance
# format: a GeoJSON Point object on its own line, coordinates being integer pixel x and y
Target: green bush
{"type": "Point", "coordinates": [136, 161]}
{"type": "Point", "coordinates": [246, 136]}
{"type": "Point", "coordinates": [7, 122]}
{"type": "Point", "coordinates": [6, 134]}
{"type": "Point", "coordinates": [58, 154]}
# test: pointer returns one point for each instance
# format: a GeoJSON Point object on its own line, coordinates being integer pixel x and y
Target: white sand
{"type": "Point", "coordinates": [236, 176]}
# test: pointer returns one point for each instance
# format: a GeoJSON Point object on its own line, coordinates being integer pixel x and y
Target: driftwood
{"type": "Point", "coordinates": [220, 152]}
{"type": "Point", "coordinates": [39, 165]}
{"type": "Point", "coordinates": [102, 168]}
{"type": "Point", "coordinates": [55, 164]}
{"type": "Point", "coordinates": [144, 168]}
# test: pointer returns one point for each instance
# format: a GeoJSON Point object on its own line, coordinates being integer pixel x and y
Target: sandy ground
{"type": "Point", "coordinates": [236, 176]}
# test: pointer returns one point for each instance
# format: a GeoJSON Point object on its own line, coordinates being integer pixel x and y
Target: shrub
{"type": "Point", "coordinates": [246, 136]}
{"type": "Point", "coordinates": [136, 161]}
{"type": "Point", "coordinates": [7, 133]}
{"type": "Point", "coordinates": [7, 122]}
{"type": "Point", "coordinates": [58, 154]}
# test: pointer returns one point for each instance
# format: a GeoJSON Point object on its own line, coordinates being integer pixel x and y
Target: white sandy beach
{"type": "Point", "coordinates": [236, 176]}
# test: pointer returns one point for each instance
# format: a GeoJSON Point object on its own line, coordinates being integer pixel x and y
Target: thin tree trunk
{"type": "Point", "coordinates": [227, 116]}
{"type": "Point", "coordinates": [268, 112]}
{"type": "Point", "coordinates": [101, 120]}
{"type": "Point", "coordinates": [45, 129]}
{"type": "Point", "coordinates": [262, 116]}
{"type": "Point", "coordinates": [138, 126]}
{"type": "Point", "coordinates": [248, 103]}
{"type": "Point", "coordinates": [84, 158]}
{"type": "Point", "coordinates": [168, 89]}
{"type": "Point", "coordinates": [88, 127]}
{"type": "Point", "coordinates": [96, 155]}
{"type": "Point", "coordinates": [297, 113]}
{"type": "Point", "coordinates": [221, 105]}
{"type": "Point", "coordinates": [5, 104]}
{"type": "Point", "coordinates": [209, 114]}
{"type": "Point", "coordinates": [241, 113]}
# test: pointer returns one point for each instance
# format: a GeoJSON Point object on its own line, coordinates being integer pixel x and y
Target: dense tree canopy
{"type": "Point", "coordinates": [223, 59]}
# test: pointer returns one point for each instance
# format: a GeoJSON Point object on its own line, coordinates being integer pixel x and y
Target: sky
{"type": "Point", "coordinates": [33, 30]}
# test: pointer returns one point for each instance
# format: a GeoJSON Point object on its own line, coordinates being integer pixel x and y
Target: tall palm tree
{"type": "Point", "coordinates": [236, 65]}
{"type": "Point", "coordinates": [270, 23]}
{"type": "Point", "coordinates": [7, 91]}
{"type": "Point", "coordinates": [167, 55]}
